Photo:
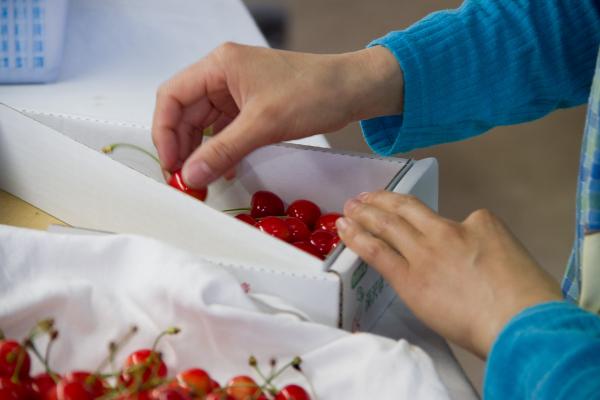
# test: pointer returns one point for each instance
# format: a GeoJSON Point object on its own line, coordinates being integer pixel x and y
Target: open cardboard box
{"type": "Point", "coordinates": [54, 162]}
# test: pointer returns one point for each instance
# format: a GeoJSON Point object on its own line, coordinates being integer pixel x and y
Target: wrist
{"type": "Point", "coordinates": [375, 83]}
{"type": "Point", "coordinates": [495, 326]}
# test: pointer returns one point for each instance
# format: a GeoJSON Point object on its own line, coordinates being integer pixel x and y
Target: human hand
{"type": "Point", "coordinates": [465, 280]}
{"type": "Point", "coordinates": [256, 96]}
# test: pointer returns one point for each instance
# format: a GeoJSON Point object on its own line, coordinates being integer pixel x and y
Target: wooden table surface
{"type": "Point", "coordinates": [16, 212]}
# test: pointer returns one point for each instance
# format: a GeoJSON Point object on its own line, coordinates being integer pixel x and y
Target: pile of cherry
{"type": "Point", "coordinates": [301, 224]}
{"type": "Point", "coordinates": [144, 376]}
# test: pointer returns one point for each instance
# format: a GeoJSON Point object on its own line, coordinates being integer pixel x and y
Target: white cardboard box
{"type": "Point", "coordinates": [54, 162]}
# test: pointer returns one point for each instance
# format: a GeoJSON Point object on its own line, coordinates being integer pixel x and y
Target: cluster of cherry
{"type": "Point", "coordinates": [301, 224]}
{"type": "Point", "coordinates": [144, 376]}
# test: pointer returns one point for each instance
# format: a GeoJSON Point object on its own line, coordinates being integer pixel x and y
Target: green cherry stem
{"type": "Point", "coordinates": [173, 330]}
{"type": "Point", "coordinates": [20, 360]}
{"type": "Point", "coordinates": [296, 361]}
{"type": "Point", "coordinates": [150, 362]}
{"type": "Point", "coordinates": [114, 347]}
{"type": "Point", "coordinates": [208, 131]}
{"type": "Point", "coordinates": [237, 209]}
{"type": "Point", "coordinates": [53, 335]}
{"type": "Point", "coordinates": [43, 326]}
{"type": "Point", "coordinates": [254, 364]}
{"type": "Point", "coordinates": [38, 355]}
{"type": "Point", "coordinates": [112, 147]}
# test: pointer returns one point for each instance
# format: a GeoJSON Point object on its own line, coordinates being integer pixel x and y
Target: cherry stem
{"type": "Point", "coordinates": [151, 361]}
{"type": "Point", "coordinates": [254, 364]}
{"type": "Point", "coordinates": [20, 359]}
{"type": "Point", "coordinates": [43, 326]}
{"type": "Point", "coordinates": [2, 336]}
{"type": "Point", "coordinates": [169, 331]}
{"type": "Point", "coordinates": [296, 361]}
{"type": "Point", "coordinates": [44, 362]}
{"type": "Point", "coordinates": [111, 147]}
{"type": "Point", "coordinates": [114, 347]}
{"type": "Point", "coordinates": [53, 336]}
{"type": "Point", "coordinates": [273, 363]}
{"type": "Point", "coordinates": [237, 209]}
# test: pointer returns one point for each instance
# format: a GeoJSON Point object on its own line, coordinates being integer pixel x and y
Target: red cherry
{"type": "Point", "coordinates": [298, 230]}
{"type": "Point", "coordinates": [195, 380]}
{"type": "Point", "coordinates": [169, 393]}
{"type": "Point", "coordinates": [80, 385]}
{"type": "Point", "coordinates": [218, 396]}
{"type": "Point", "coordinates": [326, 222]}
{"type": "Point", "coordinates": [246, 218]}
{"type": "Point", "coordinates": [44, 386]}
{"type": "Point", "coordinates": [143, 395]}
{"type": "Point", "coordinates": [243, 388]}
{"type": "Point", "coordinates": [150, 364]}
{"type": "Point", "coordinates": [10, 352]}
{"type": "Point", "coordinates": [14, 391]}
{"type": "Point", "coordinates": [275, 227]}
{"type": "Point", "coordinates": [322, 240]}
{"type": "Point", "coordinates": [214, 385]}
{"type": "Point", "coordinates": [305, 210]}
{"type": "Point", "coordinates": [335, 241]}
{"type": "Point", "coordinates": [265, 204]}
{"type": "Point", "coordinates": [176, 180]}
{"type": "Point", "coordinates": [309, 248]}
{"type": "Point", "coordinates": [292, 392]}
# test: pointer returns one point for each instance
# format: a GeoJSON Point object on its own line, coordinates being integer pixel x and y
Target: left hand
{"type": "Point", "coordinates": [466, 280]}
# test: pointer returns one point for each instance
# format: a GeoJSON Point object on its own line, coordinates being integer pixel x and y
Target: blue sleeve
{"type": "Point", "coordinates": [485, 64]}
{"type": "Point", "coordinates": [550, 351]}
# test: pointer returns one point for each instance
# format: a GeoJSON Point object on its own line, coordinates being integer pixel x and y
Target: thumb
{"type": "Point", "coordinates": [222, 152]}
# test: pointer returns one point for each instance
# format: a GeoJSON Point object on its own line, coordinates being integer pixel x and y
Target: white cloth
{"type": "Point", "coordinates": [96, 287]}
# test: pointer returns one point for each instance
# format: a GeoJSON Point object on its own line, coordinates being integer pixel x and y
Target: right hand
{"type": "Point", "coordinates": [465, 280]}
{"type": "Point", "coordinates": [256, 96]}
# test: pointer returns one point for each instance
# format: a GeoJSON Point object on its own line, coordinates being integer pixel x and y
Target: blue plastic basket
{"type": "Point", "coordinates": [32, 34]}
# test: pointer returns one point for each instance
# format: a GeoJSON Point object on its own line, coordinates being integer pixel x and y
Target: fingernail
{"type": "Point", "coordinates": [197, 174]}
{"type": "Point", "coordinates": [341, 224]}
{"type": "Point", "coordinates": [363, 196]}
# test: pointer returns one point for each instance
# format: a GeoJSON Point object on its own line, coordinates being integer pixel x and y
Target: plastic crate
{"type": "Point", "coordinates": [32, 34]}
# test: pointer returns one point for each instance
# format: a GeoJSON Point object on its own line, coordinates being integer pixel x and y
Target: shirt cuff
{"type": "Point", "coordinates": [550, 350]}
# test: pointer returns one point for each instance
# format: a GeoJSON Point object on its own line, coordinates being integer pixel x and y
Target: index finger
{"type": "Point", "coordinates": [185, 88]}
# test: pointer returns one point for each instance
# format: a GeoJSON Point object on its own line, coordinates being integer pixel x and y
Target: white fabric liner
{"type": "Point", "coordinates": [96, 287]}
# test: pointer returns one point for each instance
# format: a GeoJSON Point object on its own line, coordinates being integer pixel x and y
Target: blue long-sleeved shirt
{"type": "Point", "coordinates": [488, 63]}
{"type": "Point", "coordinates": [550, 351]}
{"type": "Point", "coordinates": [498, 62]}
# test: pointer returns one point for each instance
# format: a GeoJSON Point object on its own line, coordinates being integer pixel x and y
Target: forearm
{"type": "Point", "coordinates": [550, 351]}
{"type": "Point", "coordinates": [373, 83]}
{"type": "Point", "coordinates": [485, 64]}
